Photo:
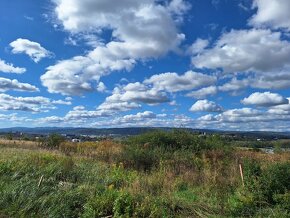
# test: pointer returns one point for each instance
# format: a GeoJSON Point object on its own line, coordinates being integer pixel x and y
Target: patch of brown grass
{"type": "Point", "coordinates": [105, 150]}
{"type": "Point", "coordinates": [19, 144]}
{"type": "Point", "coordinates": [263, 157]}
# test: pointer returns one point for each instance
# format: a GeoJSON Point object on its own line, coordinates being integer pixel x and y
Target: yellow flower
{"type": "Point", "coordinates": [111, 186]}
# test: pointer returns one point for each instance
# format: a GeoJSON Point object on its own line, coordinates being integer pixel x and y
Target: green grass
{"type": "Point", "coordinates": [197, 177]}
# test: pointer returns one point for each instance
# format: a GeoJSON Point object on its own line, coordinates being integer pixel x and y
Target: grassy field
{"type": "Point", "coordinates": [158, 174]}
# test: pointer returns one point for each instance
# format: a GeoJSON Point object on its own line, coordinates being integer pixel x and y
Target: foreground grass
{"type": "Point", "coordinates": [153, 175]}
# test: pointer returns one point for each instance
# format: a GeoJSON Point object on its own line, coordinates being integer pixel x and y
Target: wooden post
{"type": "Point", "coordinates": [242, 175]}
{"type": "Point", "coordinates": [40, 181]}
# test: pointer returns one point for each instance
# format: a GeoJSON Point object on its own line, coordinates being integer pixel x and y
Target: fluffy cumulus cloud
{"type": "Point", "coordinates": [64, 77]}
{"type": "Point", "coordinates": [205, 106]}
{"type": "Point", "coordinates": [79, 115]}
{"type": "Point", "coordinates": [101, 87]}
{"type": "Point", "coordinates": [146, 118]}
{"type": "Point", "coordinates": [172, 82]}
{"type": "Point", "coordinates": [178, 7]}
{"type": "Point", "coordinates": [33, 49]}
{"type": "Point", "coordinates": [236, 116]}
{"type": "Point", "coordinates": [141, 115]}
{"type": "Point", "coordinates": [140, 30]}
{"type": "Point", "coordinates": [234, 85]}
{"type": "Point", "coordinates": [204, 92]}
{"type": "Point", "coordinates": [7, 84]}
{"type": "Point", "coordinates": [283, 109]}
{"type": "Point", "coordinates": [131, 96]}
{"type": "Point", "coordinates": [269, 81]}
{"type": "Point", "coordinates": [9, 68]}
{"type": "Point", "coordinates": [248, 119]}
{"type": "Point", "coordinates": [29, 104]}
{"type": "Point", "coordinates": [14, 118]}
{"type": "Point", "coordinates": [273, 80]}
{"type": "Point", "coordinates": [198, 46]}
{"type": "Point", "coordinates": [265, 99]}
{"type": "Point", "coordinates": [246, 50]}
{"type": "Point", "coordinates": [271, 13]}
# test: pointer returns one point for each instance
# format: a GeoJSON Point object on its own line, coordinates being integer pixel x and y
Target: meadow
{"type": "Point", "coordinates": [156, 174]}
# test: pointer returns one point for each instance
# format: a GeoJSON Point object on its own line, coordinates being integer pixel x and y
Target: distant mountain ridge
{"type": "Point", "coordinates": [133, 131]}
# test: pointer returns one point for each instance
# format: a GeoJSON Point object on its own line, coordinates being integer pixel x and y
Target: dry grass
{"type": "Point", "coordinates": [263, 157]}
{"type": "Point", "coordinates": [104, 150]}
{"type": "Point", "coordinates": [19, 144]}
{"type": "Point", "coordinates": [180, 182]}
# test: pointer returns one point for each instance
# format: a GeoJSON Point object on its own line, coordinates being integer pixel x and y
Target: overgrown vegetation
{"type": "Point", "coordinates": [156, 174]}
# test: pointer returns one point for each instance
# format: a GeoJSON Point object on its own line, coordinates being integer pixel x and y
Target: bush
{"type": "Point", "coordinates": [275, 181]}
{"type": "Point", "coordinates": [53, 141]}
{"type": "Point", "coordinates": [264, 188]}
{"type": "Point", "coordinates": [176, 140]}
{"type": "Point", "coordinates": [140, 158]}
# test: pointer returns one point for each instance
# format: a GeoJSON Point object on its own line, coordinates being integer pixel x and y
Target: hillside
{"type": "Point", "coordinates": [156, 174]}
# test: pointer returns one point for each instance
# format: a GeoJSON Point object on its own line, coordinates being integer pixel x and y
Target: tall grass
{"type": "Point", "coordinates": [157, 174]}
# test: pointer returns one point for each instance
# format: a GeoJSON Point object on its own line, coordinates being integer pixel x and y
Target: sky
{"type": "Point", "coordinates": [205, 64]}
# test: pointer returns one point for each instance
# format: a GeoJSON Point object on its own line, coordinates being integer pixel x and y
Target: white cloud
{"type": "Point", "coordinates": [172, 82]}
{"type": "Point", "coordinates": [178, 7]}
{"type": "Point", "coordinates": [272, 80]}
{"type": "Point", "coordinates": [13, 118]}
{"type": "Point", "coordinates": [240, 115]}
{"type": "Point", "coordinates": [139, 116]}
{"type": "Point", "coordinates": [265, 99]}
{"type": "Point", "coordinates": [147, 118]}
{"type": "Point", "coordinates": [7, 84]}
{"type": "Point", "coordinates": [131, 96]}
{"type": "Point", "coordinates": [101, 87]}
{"type": "Point", "coordinates": [61, 102]}
{"type": "Point", "coordinates": [234, 85]}
{"type": "Point", "coordinates": [64, 77]}
{"type": "Point", "coordinates": [283, 109]}
{"type": "Point", "coordinates": [140, 93]}
{"type": "Point", "coordinates": [206, 118]}
{"type": "Point", "coordinates": [33, 49]}
{"type": "Point", "coordinates": [271, 13]}
{"type": "Point", "coordinates": [247, 118]}
{"type": "Point", "coordinates": [31, 104]}
{"type": "Point", "coordinates": [205, 106]}
{"type": "Point", "coordinates": [204, 92]}
{"type": "Point", "coordinates": [77, 116]}
{"type": "Point", "coordinates": [9, 68]}
{"type": "Point", "coordinates": [51, 119]}
{"type": "Point", "coordinates": [198, 46]}
{"type": "Point", "coordinates": [141, 30]}
{"type": "Point", "coordinates": [246, 50]}
{"type": "Point", "coordinates": [241, 112]}
{"type": "Point", "coordinates": [109, 105]}
{"type": "Point", "coordinates": [79, 113]}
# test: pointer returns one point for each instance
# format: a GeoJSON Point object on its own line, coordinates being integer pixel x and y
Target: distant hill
{"type": "Point", "coordinates": [136, 131]}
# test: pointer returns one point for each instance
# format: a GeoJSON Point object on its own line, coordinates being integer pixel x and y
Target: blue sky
{"type": "Point", "coordinates": [214, 64]}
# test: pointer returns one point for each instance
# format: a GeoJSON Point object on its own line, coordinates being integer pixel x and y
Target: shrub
{"type": "Point", "coordinates": [53, 141]}
{"type": "Point", "coordinates": [264, 188]}
{"type": "Point", "coordinates": [275, 181]}
{"type": "Point", "coordinates": [176, 140]}
{"type": "Point", "coordinates": [139, 158]}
